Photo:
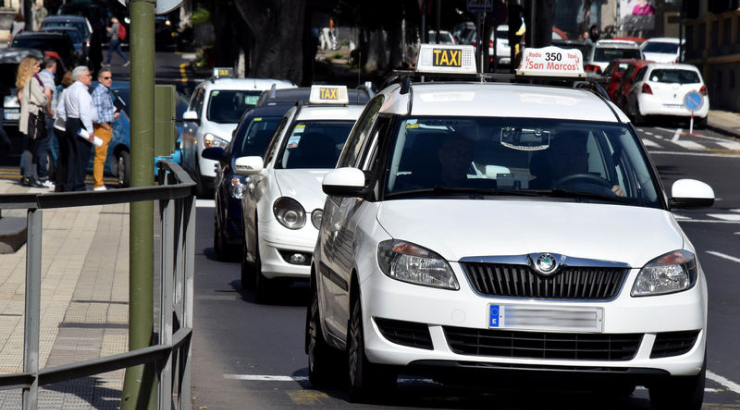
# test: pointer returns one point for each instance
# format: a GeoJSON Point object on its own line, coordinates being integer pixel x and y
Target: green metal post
{"type": "Point", "coordinates": [139, 382]}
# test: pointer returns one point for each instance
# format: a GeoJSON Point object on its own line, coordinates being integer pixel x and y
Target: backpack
{"type": "Point", "coordinates": [121, 32]}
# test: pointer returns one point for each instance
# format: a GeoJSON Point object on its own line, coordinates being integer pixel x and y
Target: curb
{"type": "Point", "coordinates": [724, 130]}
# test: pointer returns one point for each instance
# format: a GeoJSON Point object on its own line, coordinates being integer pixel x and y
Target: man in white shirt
{"type": "Point", "coordinates": [80, 113]}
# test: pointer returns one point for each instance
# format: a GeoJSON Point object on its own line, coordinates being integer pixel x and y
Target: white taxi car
{"type": "Point", "coordinates": [283, 204]}
{"type": "Point", "coordinates": [481, 229]}
{"type": "Point", "coordinates": [213, 114]}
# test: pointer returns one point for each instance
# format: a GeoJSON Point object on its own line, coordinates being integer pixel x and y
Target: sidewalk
{"type": "Point", "coordinates": [85, 288]}
{"type": "Point", "coordinates": [724, 122]}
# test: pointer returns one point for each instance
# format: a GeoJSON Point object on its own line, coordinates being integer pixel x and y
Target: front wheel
{"type": "Point", "coordinates": [639, 118]}
{"type": "Point", "coordinates": [679, 393]}
{"type": "Point", "coordinates": [247, 271]}
{"type": "Point", "coordinates": [324, 365]}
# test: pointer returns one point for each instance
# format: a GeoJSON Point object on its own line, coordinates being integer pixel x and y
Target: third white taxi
{"type": "Point", "coordinates": [495, 232]}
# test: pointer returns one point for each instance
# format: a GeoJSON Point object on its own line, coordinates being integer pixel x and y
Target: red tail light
{"type": "Point", "coordinates": [592, 67]}
{"type": "Point", "coordinates": [646, 89]}
{"type": "Point", "coordinates": [703, 90]}
{"type": "Point", "coordinates": [490, 43]}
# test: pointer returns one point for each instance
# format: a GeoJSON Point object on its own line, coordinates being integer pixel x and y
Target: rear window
{"type": "Point", "coordinates": [655, 47]}
{"type": "Point", "coordinates": [609, 54]}
{"type": "Point", "coordinates": [673, 76]}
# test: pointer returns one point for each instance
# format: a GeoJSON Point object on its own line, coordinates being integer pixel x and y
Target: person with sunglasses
{"type": "Point", "coordinates": [103, 102]}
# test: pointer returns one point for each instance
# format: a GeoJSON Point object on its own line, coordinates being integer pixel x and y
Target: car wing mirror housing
{"type": "Point", "coordinates": [191, 116]}
{"type": "Point", "coordinates": [690, 193]}
{"type": "Point", "coordinates": [345, 182]}
{"type": "Point", "coordinates": [214, 153]}
{"type": "Point", "coordinates": [248, 165]}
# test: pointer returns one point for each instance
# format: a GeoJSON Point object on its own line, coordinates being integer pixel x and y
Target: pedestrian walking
{"type": "Point", "coordinates": [39, 15]}
{"type": "Point", "coordinates": [80, 115]}
{"type": "Point", "coordinates": [60, 118]}
{"type": "Point", "coordinates": [103, 101]}
{"type": "Point", "coordinates": [114, 44]}
{"type": "Point", "coordinates": [18, 25]}
{"type": "Point", "coordinates": [34, 100]}
{"type": "Point", "coordinates": [43, 149]}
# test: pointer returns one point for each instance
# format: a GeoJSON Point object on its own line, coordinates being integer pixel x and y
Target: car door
{"type": "Point", "coordinates": [634, 86]}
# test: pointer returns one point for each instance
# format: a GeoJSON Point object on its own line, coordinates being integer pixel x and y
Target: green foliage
{"type": "Point", "coordinates": [345, 42]}
{"type": "Point", "coordinates": [337, 56]}
{"type": "Point", "coordinates": [200, 16]}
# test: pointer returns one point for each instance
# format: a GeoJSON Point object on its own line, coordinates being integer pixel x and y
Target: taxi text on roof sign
{"type": "Point", "coordinates": [329, 94]}
{"type": "Point", "coordinates": [552, 62]}
{"type": "Point", "coordinates": [447, 59]}
{"type": "Point", "coordinates": [223, 72]}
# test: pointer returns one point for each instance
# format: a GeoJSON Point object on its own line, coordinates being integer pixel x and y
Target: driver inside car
{"type": "Point", "coordinates": [565, 163]}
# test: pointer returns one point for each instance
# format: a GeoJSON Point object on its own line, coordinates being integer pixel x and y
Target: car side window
{"type": "Point", "coordinates": [197, 103]}
{"type": "Point", "coordinates": [640, 74]}
{"type": "Point", "coordinates": [272, 148]}
{"type": "Point", "coordinates": [360, 132]}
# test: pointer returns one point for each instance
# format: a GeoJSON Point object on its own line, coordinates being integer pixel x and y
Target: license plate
{"type": "Point", "coordinates": [12, 116]}
{"type": "Point", "coordinates": [546, 318]}
{"type": "Point", "coordinates": [673, 106]}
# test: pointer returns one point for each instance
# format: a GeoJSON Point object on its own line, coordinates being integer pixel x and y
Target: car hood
{"type": "Point", "coordinates": [660, 57]}
{"type": "Point", "coordinates": [467, 228]}
{"type": "Point", "coordinates": [220, 130]}
{"type": "Point", "coordinates": [304, 185]}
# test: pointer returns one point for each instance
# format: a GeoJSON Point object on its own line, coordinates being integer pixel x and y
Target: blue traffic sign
{"type": "Point", "coordinates": [693, 101]}
{"type": "Point", "coordinates": [480, 5]}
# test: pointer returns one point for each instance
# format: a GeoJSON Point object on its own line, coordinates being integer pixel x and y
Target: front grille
{"type": "Point", "coordinates": [581, 283]}
{"type": "Point", "coordinates": [539, 345]}
{"type": "Point", "coordinates": [673, 343]}
{"type": "Point", "coordinates": [405, 333]}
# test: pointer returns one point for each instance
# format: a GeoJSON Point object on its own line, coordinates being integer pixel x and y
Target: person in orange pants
{"type": "Point", "coordinates": [107, 114]}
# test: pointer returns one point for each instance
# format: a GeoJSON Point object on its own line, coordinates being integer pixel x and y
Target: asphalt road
{"type": "Point", "coordinates": [251, 356]}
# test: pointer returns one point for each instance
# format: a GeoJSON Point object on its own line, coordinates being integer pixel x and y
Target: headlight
{"type": "Point", "coordinates": [213, 141]}
{"type": "Point", "coordinates": [237, 188]}
{"type": "Point", "coordinates": [411, 263]}
{"type": "Point", "coordinates": [673, 272]}
{"type": "Point", "coordinates": [289, 213]}
{"type": "Point", "coordinates": [316, 217]}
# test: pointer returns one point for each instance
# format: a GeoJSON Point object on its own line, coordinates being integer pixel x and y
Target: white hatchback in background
{"type": "Point", "coordinates": [501, 233]}
{"type": "Point", "coordinates": [662, 49]}
{"type": "Point", "coordinates": [213, 114]}
{"type": "Point", "coordinates": [661, 89]}
{"type": "Point", "coordinates": [598, 55]}
{"type": "Point", "coordinates": [284, 202]}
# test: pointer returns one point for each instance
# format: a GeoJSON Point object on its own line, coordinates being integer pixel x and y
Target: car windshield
{"type": "Point", "coordinates": [518, 156]}
{"type": "Point", "coordinates": [227, 106]}
{"type": "Point", "coordinates": [252, 139]}
{"type": "Point", "coordinates": [80, 26]}
{"type": "Point", "coordinates": [673, 76]}
{"type": "Point", "coordinates": [314, 144]}
{"type": "Point", "coordinates": [656, 47]}
{"type": "Point", "coordinates": [444, 37]}
{"type": "Point", "coordinates": [608, 54]}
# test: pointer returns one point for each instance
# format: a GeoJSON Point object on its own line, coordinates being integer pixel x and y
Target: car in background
{"type": "Point", "coordinates": [80, 45]}
{"type": "Point", "coordinates": [662, 49]}
{"type": "Point", "coordinates": [290, 96]}
{"type": "Point", "coordinates": [571, 44]}
{"type": "Point", "coordinates": [441, 37]}
{"type": "Point", "coordinates": [598, 55]}
{"type": "Point", "coordinates": [625, 83]}
{"type": "Point", "coordinates": [214, 111]}
{"type": "Point", "coordinates": [81, 23]}
{"type": "Point", "coordinates": [613, 74]}
{"type": "Point", "coordinates": [58, 43]}
{"type": "Point", "coordinates": [283, 202]}
{"type": "Point", "coordinates": [461, 30]}
{"type": "Point", "coordinates": [659, 90]}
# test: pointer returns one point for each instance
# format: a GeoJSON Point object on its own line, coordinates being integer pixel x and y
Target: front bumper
{"type": "Point", "coordinates": [274, 239]}
{"type": "Point", "coordinates": [442, 310]}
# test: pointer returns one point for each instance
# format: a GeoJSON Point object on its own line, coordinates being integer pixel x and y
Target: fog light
{"type": "Point", "coordinates": [297, 259]}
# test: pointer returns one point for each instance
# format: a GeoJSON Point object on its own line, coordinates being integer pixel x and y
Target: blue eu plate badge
{"type": "Point", "coordinates": [494, 316]}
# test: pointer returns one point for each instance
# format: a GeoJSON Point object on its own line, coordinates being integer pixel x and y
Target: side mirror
{"type": "Point", "coordinates": [214, 153]}
{"type": "Point", "coordinates": [248, 165]}
{"type": "Point", "coordinates": [190, 116]}
{"type": "Point", "coordinates": [690, 193]}
{"type": "Point", "coordinates": [344, 182]}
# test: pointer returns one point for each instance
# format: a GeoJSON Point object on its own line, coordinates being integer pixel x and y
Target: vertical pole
{"type": "Point", "coordinates": [691, 124]}
{"type": "Point", "coordinates": [188, 260]}
{"type": "Point", "coordinates": [31, 332]}
{"type": "Point", "coordinates": [167, 290]}
{"type": "Point", "coordinates": [139, 387]}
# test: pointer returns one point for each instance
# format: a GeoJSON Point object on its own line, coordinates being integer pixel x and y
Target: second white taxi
{"type": "Point", "coordinates": [283, 205]}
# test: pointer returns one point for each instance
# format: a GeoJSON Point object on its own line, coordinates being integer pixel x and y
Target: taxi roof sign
{"type": "Point", "coordinates": [446, 59]}
{"type": "Point", "coordinates": [552, 62]}
{"type": "Point", "coordinates": [328, 94]}
{"type": "Point", "coordinates": [223, 72]}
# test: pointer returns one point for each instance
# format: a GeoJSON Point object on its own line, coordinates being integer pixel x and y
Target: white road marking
{"type": "Point", "coordinates": [680, 217]}
{"type": "Point", "coordinates": [677, 135]}
{"type": "Point", "coordinates": [651, 143]}
{"type": "Point", "coordinates": [665, 129]}
{"type": "Point", "coordinates": [707, 221]}
{"type": "Point", "coordinates": [188, 56]}
{"type": "Point", "coordinates": [640, 129]}
{"type": "Point", "coordinates": [688, 144]}
{"type": "Point", "coordinates": [694, 154]}
{"type": "Point", "coordinates": [648, 133]}
{"type": "Point", "coordinates": [735, 146]}
{"type": "Point", "coordinates": [732, 386]}
{"type": "Point", "coordinates": [726, 217]}
{"type": "Point", "coordinates": [723, 256]}
{"type": "Point", "coordinates": [205, 203]}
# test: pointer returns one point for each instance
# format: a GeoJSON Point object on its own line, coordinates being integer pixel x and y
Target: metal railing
{"type": "Point", "coordinates": [171, 356]}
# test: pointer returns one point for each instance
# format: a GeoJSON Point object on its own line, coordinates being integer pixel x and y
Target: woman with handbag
{"type": "Point", "coordinates": [32, 124]}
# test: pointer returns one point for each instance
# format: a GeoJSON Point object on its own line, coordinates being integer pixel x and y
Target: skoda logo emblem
{"type": "Point", "coordinates": [546, 263]}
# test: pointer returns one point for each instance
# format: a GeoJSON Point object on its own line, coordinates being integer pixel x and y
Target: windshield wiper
{"type": "Point", "coordinates": [566, 193]}
{"type": "Point", "coordinates": [442, 191]}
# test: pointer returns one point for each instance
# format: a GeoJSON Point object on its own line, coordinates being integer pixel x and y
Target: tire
{"type": "Point", "coordinates": [218, 242]}
{"type": "Point", "coordinates": [679, 393]}
{"type": "Point", "coordinates": [263, 287]}
{"type": "Point", "coordinates": [701, 123]}
{"type": "Point", "coordinates": [366, 380]}
{"type": "Point", "coordinates": [324, 362]}
{"type": "Point", "coordinates": [247, 271]}
{"type": "Point", "coordinates": [123, 165]}
{"type": "Point", "coordinates": [639, 119]}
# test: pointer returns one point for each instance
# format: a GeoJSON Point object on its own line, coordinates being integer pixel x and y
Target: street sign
{"type": "Point", "coordinates": [480, 5]}
{"type": "Point", "coordinates": [693, 101]}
